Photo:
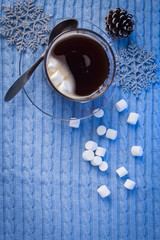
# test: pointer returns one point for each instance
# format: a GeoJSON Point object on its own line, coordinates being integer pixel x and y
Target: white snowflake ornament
{"type": "Point", "coordinates": [25, 25]}
{"type": "Point", "coordinates": [136, 70]}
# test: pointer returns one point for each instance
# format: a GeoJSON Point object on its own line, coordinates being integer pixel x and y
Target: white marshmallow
{"type": "Point", "coordinates": [121, 171]}
{"type": "Point", "coordinates": [56, 78]}
{"type": "Point", "coordinates": [88, 155]}
{"type": "Point", "coordinates": [98, 113]}
{"type": "Point", "coordinates": [129, 184]}
{"type": "Point", "coordinates": [51, 67]}
{"type": "Point", "coordinates": [121, 105]}
{"type": "Point", "coordinates": [111, 134]}
{"type": "Point", "coordinates": [133, 118]}
{"type": "Point", "coordinates": [74, 123]}
{"type": "Point", "coordinates": [100, 151]}
{"type": "Point", "coordinates": [101, 130]}
{"type": "Point", "coordinates": [65, 86]}
{"type": "Point", "coordinates": [103, 191]}
{"type": "Point", "coordinates": [104, 166]}
{"type": "Point", "coordinates": [96, 161]}
{"type": "Point", "coordinates": [90, 145]}
{"type": "Point", "coordinates": [137, 151]}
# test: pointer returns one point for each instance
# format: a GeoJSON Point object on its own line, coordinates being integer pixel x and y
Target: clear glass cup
{"type": "Point", "coordinates": [55, 105]}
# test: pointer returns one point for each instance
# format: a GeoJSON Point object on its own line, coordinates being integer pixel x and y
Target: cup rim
{"type": "Point", "coordinates": [80, 99]}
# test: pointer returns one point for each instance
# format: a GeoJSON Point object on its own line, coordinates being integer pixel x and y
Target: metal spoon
{"type": "Point", "coordinates": [21, 81]}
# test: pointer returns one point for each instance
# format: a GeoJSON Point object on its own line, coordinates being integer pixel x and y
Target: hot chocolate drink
{"type": "Point", "coordinates": [77, 65]}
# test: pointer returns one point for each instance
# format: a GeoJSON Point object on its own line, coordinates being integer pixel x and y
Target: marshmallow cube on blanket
{"type": "Point", "coordinates": [137, 151]}
{"type": "Point", "coordinates": [74, 123]}
{"type": "Point", "coordinates": [104, 166]}
{"type": "Point", "coordinates": [121, 105]}
{"type": "Point", "coordinates": [101, 130]}
{"type": "Point", "coordinates": [129, 184]}
{"type": "Point", "coordinates": [103, 191]}
{"type": "Point", "coordinates": [121, 171]}
{"type": "Point", "coordinates": [91, 145]}
{"type": "Point", "coordinates": [133, 118]}
{"type": "Point", "coordinates": [111, 134]}
{"type": "Point", "coordinates": [100, 151]}
{"type": "Point", "coordinates": [98, 113]}
{"type": "Point", "coordinates": [88, 155]}
{"type": "Point", "coordinates": [97, 160]}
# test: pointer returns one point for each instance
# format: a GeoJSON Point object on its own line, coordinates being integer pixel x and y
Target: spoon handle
{"type": "Point", "coordinates": [21, 81]}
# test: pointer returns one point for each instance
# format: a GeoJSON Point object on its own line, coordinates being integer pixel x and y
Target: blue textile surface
{"type": "Point", "coordinates": [47, 191]}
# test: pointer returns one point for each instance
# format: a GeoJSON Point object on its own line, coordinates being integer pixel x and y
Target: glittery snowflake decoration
{"type": "Point", "coordinates": [25, 25]}
{"type": "Point", "coordinates": [136, 70]}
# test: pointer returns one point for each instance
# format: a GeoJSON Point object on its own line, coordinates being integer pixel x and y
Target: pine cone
{"type": "Point", "coordinates": [119, 24]}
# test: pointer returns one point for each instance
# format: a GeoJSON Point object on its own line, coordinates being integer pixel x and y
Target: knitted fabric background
{"type": "Point", "coordinates": [47, 191]}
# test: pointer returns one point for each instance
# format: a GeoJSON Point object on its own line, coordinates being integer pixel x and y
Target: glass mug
{"type": "Point", "coordinates": [82, 59]}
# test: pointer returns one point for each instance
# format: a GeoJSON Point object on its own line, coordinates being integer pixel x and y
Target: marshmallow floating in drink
{"type": "Point", "coordinates": [52, 66]}
{"type": "Point", "coordinates": [56, 78]}
{"type": "Point", "coordinates": [65, 87]}
{"type": "Point", "coordinates": [91, 145]}
{"type": "Point", "coordinates": [103, 191]}
{"type": "Point", "coordinates": [121, 171]}
{"type": "Point", "coordinates": [133, 118]}
{"type": "Point", "coordinates": [121, 105]}
{"type": "Point", "coordinates": [129, 184]}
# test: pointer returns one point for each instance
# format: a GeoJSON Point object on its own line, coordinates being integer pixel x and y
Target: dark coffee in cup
{"type": "Point", "coordinates": [77, 65]}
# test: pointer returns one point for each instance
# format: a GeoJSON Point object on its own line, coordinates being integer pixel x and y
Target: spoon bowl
{"type": "Point", "coordinates": [64, 25]}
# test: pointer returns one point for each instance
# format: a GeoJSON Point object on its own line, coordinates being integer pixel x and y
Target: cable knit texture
{"type": "Point", "coordinates": [47, 191]}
